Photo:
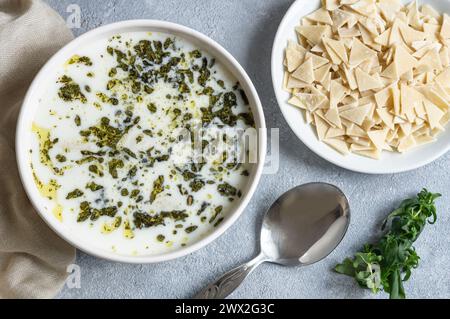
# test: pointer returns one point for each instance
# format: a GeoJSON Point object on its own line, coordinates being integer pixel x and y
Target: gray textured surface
{"type": "Point", "coordinates": [247, 28]}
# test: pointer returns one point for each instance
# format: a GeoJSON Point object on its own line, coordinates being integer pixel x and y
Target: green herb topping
{"type": "Point", "coordinates": [385, 265]}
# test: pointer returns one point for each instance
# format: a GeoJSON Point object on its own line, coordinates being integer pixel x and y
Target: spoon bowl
{"type": "Point", "coordinates": [305, 224]}
{"type": "Point", "coordinates": [302, 227]}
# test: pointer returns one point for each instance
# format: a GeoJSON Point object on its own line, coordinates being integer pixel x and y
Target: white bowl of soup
{"type": "Point", "coordinates": [141, 141]}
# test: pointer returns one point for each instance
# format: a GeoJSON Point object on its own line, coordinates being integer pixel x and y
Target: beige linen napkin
{"type": "Point", "coordinates": [33, 259]}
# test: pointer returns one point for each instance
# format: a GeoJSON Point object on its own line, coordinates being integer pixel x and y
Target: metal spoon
{"type": "Point", "coordinates": [301, 228]}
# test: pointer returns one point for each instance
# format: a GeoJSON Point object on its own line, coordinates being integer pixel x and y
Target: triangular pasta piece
{"type": "Point", "coordinates": [432, 31]}
{"type": "Point", "coordinates": [430, 62]}
{"type": "Point", "coordinates": [311, 101]}
{"type": "Point", "coordinates": [440, 91]}
{"type": "Point", "coordinates": [314, 33]}
{"type": "Point", "coordinates": [365, 7]}
{"type": "Point", "coordinates": [420, 53]}
{"type": "Point", "coordinates": [419, 108]}
{"type": "Point", "coordinates": [391, 72]}
{"type": "Point", "coordinates": [340, 18]}
{"type": "Point", "coordinates": [320, 73]}
{"type": "Point", "coordinates": [395, 36]}
{"type": "Point", "coordinates": [357, 114]}
{"type": "Point", "coordinates": [317, 49]}
{"type": "Point", "coordinates": [335, 132]}
{"type": "Point", "coordinates": [445, 30]}
{"type": "Point", "coordinates": [434, 113]}
{"type": "Point", "coordinates": [386, 117]}
{"type": "Point", "coordinates": [410, 35]}
{"type": "Point", "coordinates": [389, 8]}
{"type": "Point", "coordinates": [409, 98]}
{"type": "Point", "coordinates": [378, 138]}
{"type": "Point", "coordinates": [321, 127]}
{"type": "Point", "coordinates": [295, 101]}
{"type": "Point", "coordinates": [294, 58]}
{"type": "Point", "coordinates": [321, 15]}
{"type": "Point", "coordinates": [406, 128]}
{"type": "Point", "coordinates": [418, 45]}
{"type": "Point", "coordinates": [396, 97]}
{"type": "Point", "coordinates": [349, 32]}
{"type": "Point", "coordinates": [296, 46]}
{"type": "Point", "coordinates": [366, 81]}
{"type": "Point", "coordinates": [373, 154]}
{"type": "Point", "coordinates": [331, 5]}
{"type": "Point", "coordinates": [285, 82]}
{"type": "Point", "coordinates": [362, 141]}
{"type": "Point", "coordinates": [444, 78]}
{"type": "Point", "coordinates": [383, 39]}
{"type": "Point", "coordinates": [360, 53]}
{"type": "Point", "coordinates": [383, 97]}
{"type": "Point", "coordinates": [332, 115]}
{"type": "Point", "coordinates": [309, 117]}
{"type": "Point", "coordinates": [355, 147]}
{"type": "Point", "coordinates": [406, 144]}
{"type": "Point", "coordinates": [445, 56]}
{"type": "Point", "coordinates": [424, 139]}
{"type": "Point", "coordinates": [355, 130]}
{"type": "Point", "coordinates": [337, 93]}
{"type": "Point", "coordinates": [335, 59]}
{"type": "Point", "coordinates": [413, 15]}
{"type": "Point", "coordinates": [337, 47]}
{"type": "Point", "coordinates": [405, 61]}
{"type": "Point", "coordinates": [305, 72]}
{"type": "Point", "coordinates": [350, 77]}
{"type": "Point", "coordinates": [293, 83]}
{"type": "Point", "coordinates": [326, 82]}
{"type": "Point", "coordinates": [318, 61]}
{"type": "Point", "coordinates": [338, 145]}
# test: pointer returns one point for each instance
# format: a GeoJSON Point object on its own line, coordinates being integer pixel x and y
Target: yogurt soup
{"type": "Point", "coordinates": [139, 143]}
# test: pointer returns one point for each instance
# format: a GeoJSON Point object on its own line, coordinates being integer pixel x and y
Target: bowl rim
{"type": "Point", "coordinates": [313, 145]}
{"type": "Point", "coordinates": [156, 26]}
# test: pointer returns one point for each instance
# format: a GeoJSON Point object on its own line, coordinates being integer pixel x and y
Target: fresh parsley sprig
{"type": "Point", "coordinates": [387, 264]}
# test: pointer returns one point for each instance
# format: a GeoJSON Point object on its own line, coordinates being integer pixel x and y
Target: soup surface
{"type": "Point", "coordinates": [139, 143]}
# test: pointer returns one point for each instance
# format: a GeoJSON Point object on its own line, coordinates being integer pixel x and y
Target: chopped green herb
{"type": "Point", "coordinates": [143, 220]}
{"type": "Point", "coordinates": [77, 120]}
{"type": "Point", "coordinates": [202, 209]}
{"type": "Point", "coordinates": [75, 194]}
{"type": "Point", "coordinates": [94, 187]}
{"type": "Point", "coordinates": [152, 107]}
{"type": "Point", "coordinates": [81, 60]}
{"type": "Point", "coordinates": [70, 91]}
{"type": "Point", "coordinates": [114, 165]}
{"type": "Point", "coordinates": [190, 200]}
{"type": "Point", "coordinates": [196, 185]}
{"type": "Point", "coordinates": [195, 54]}
{"type": "Point", "coordinates": [191, 229]}
{"type": "Point", "coordinates": [158, 188]}
{"type": "Point", "coordinates": [227, 190]}
{"type": "Point", "coordinates": [217, 211]}
{"type": "Point", "coordinates": [61, 158]}
{"type": "Point", "coordinates": [388, 263]}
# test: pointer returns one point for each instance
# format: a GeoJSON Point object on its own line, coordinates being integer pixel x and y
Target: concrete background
{"type": "Point", "coordinates": [246, 28]}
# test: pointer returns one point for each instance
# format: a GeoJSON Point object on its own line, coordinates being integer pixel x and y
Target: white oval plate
{"type": "Point", "coordinates": [389, 162]}
{"type": "Point", "coordinates": [30, 105]}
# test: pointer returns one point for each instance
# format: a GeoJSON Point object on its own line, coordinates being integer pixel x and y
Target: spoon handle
{"type": "Point", "coordinates": [228, 283]}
